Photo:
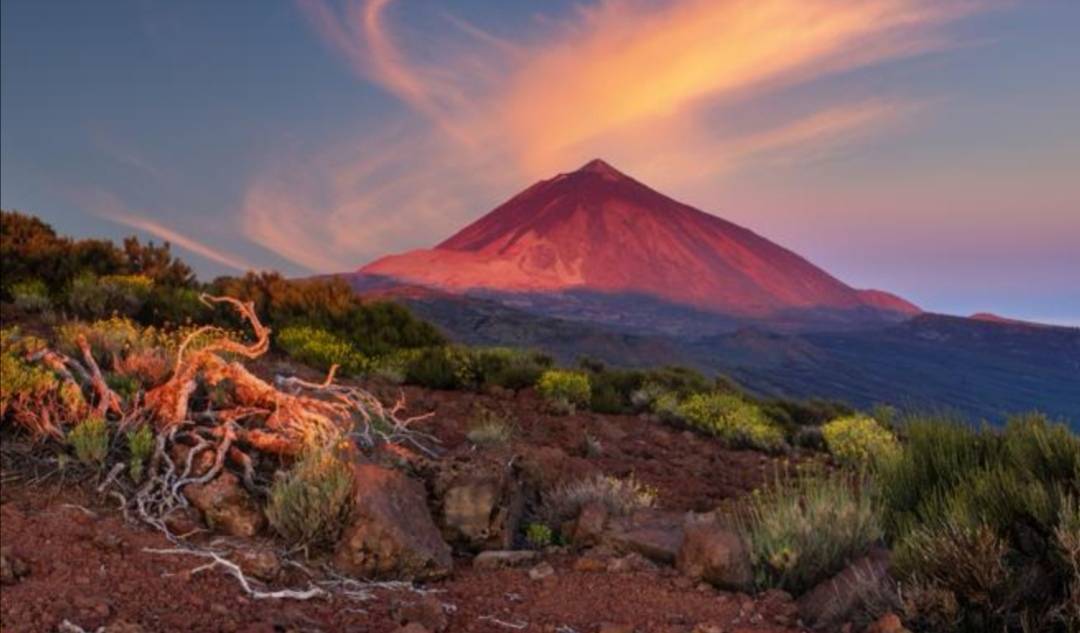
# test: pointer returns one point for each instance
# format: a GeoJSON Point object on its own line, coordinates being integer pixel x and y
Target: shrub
{"type": "Point", "coordinates": [321, 349]}
{"type": "Point", "coordinates": [859, 441]}
{"type": "Point", "coordinates": [564, 390]}
{"type": "Point", "coordinates": [393, 367]}
{"type": "Point", "coordinates": [976, 520]}
{"type": "Point", "coordinates": [311, 503]}
{"type": "Point", "coordinates": [31, 296]}
{"type": "Point", "coordinates": [508, 368]}
{"type": "Point", "coordinates": [807, 528]}
{"type": "Point", "coordinates": [539, 535]}
{"type": "Point", "coordinates": [140, 443]}
{"type": "Point", "coordinates": [21, 381]}
{"type": "Point", "coordinates": [441, 368]}
{"type": "Point", "coordinates": [619, 496]}
{"type": "Point", "coordinates": [90, 440]}
{"type": "Point", "coordinates": [732, 419]}
{"type": "Point", "coordinates": [95, 297]}
{"type": "Point", "coordinates": [488, 427]}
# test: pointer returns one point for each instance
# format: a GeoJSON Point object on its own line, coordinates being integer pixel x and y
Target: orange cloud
{"type": "Point", "coordinates": [635, 82]}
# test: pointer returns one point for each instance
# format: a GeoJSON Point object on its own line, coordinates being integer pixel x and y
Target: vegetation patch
{"type": "Point", "coordinates": [731, 418]}
{"type": "Point", "coordinates": [805, 529]}
{"type": "Point", "coordinates": [620, 496]}
{"type": "Point", "coordinates": [564, 390]}
{"type": "Point", "coordinates": [311, 503]}
{"type": "Point", "coordinates": [859, 441]}
{"type": "Point", "coordinates": [321, 349]}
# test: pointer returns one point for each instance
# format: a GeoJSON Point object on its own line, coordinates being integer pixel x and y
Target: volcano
{"type": "Point", "coordinates": [600, 231]}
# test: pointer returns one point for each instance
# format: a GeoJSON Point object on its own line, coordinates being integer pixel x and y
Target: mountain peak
{"type": "Point", "coordinates": [612, 234]}
{"type": "Point", "coordinates": [598, 166]}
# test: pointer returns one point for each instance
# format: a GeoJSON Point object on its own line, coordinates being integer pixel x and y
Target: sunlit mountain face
{"type": "Point", "coordinates": [596, 231]}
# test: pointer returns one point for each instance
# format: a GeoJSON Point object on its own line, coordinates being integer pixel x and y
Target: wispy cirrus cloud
{"type": "Point", "coordinates": [108, 206]}
{"type": "Point", "coordinates": [641, 84]}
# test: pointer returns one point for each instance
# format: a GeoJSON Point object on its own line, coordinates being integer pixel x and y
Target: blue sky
{"type": "Point", "coordinates": [929, 149]}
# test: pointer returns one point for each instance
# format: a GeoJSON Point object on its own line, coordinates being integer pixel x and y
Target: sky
{"type": "Point", "coordinates": [930, 148]}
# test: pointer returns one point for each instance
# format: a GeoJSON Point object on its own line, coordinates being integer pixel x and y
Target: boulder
{"type": "Point", "coordinates": [541, 571]}
{"type": "Point", "coordinates": [226, 506]}
{"type": "Point", "coordinates": [12, 568]}
{"type": "Point", "coordinates": [841, 598]}
{"type": "Point", "coordinates": [426, 611]}
{"type": "Point", "coordinates": [589, 526]}
{"type": "Point", "coordinates": [501, 559]}
{"type": "Point", "coordinates": [479, 502]}
{"type": "Point", "coordinates": [655, 534]}
{"type": "Point", "coordinates": [391, 533]}
{"type": "Point", "coordinates": [888, 623]}
{"type": "Point", "coordinates": [715, 554]}
{"type": "Point", "coordinates": [261, 562]}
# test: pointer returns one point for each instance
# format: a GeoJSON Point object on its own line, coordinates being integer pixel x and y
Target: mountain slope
{"type": "Point", "coordinates": [598, 230]}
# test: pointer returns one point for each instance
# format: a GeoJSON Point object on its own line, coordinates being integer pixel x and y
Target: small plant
{"type": "Point", "coordinates": [539, 535]}
{"type": "Point", "coordinates": [311, 503]}
{"type": "Point", "coordinates": [859, 441]}
{"type": "Point", "coordinates": [620, 496]}
{"type": "Point", "coordinates": [805, 529]}
{"type": "Point", "coordinates": [321, 349]}
{"type": "Point", "coordinates": [489, 428]}
{"type": "Point", "coordinates": [564, 390]}
{"type": "Point", "coordinates": [31, 296]}
{"type": "Point", "coordinates": [140, 445]}
{"type": "Point", "coordinates": [732, 419]}
{"type": "Point", "coordinates": [90, 441]}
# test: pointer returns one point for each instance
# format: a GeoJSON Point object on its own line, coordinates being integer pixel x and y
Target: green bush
{"type": "Point", "coordinates": [374, 328]}
{"type": "Point", "coordinates": [805, 529]}
{"type": "Point", "coordinates": [539, 535]}
{"type": "Point", "coordinates": [564, 390]}
{"type": "Point", "coordinates": [140, 443]}
{"type": "Point", "coordinates": [731, 418]}
{"type": "Point", "coordinates": [976, 518]}
{"type": "Point", "coordinates": [446, 367]}
{"type": "Point", "coordinates": [93, 297]}
{"type": "Point", "coordinates": [321, 349]}
{"type": "Point", "coordinates": [859, 441]}
{"type": "Point", "coordinates": [31, 296]}
{"type": "Point", "coordinates": [90, 441]}
{"type": "Point", "coordinates": [21, 382]}
{"type": "Point", "coordinates": [311, 504]}
{"type": "Point", "coordinates": [508, 368]}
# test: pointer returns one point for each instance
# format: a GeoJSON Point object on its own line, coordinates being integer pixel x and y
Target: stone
{"type": "Point", "coordinates": [541, 571]}
{"type": "Point", "coordinates": [655, 534]}
{"type": "Point", "coordinates": [226, 506]}
{"type": "Point", "coordinates": [426, 611]}
{"type": "Point", "coordinates": [12, 568]}
{"type": "Point", "coordinates": [589, 526]}
{"type": "Point", "coordinates": [391, 533]}
{"type": "Point", "coordinates": [480, 502]}
{"type": "Point", "coordinates": [888, 623]}
{"type": "Point", "coordinates": [591, 564]}
{"type": "Point", "coordinates": [631, 562]}
{"type": "Point", "coordinates": [501, 559]}
{"type": "Point", "coordinates": [261, 562]}
{"type": "Point", "coordinates": [714, 553]}
{"type": "Point", "coordinates": [836, 600]}
{"type": "Point", "coordinates": [608, 627]}
{"type": "Point", "coordinates": [412, 627]}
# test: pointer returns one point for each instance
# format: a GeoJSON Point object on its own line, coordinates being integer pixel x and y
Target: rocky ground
{"type": "Point", "coordinates": [69, 556]}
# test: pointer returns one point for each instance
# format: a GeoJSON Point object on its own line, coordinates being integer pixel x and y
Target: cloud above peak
{"type": "Point", "coordinates": [646, 85]}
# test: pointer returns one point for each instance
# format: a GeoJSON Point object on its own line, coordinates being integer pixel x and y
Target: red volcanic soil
{"type": "Point", "coordinates": [88, 566]}
{"type": "Point", "coordinates": [598, 229]}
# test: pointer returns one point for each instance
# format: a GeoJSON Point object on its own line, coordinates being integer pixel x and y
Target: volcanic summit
{"type": "Point", "coordinates": [597, 229]}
